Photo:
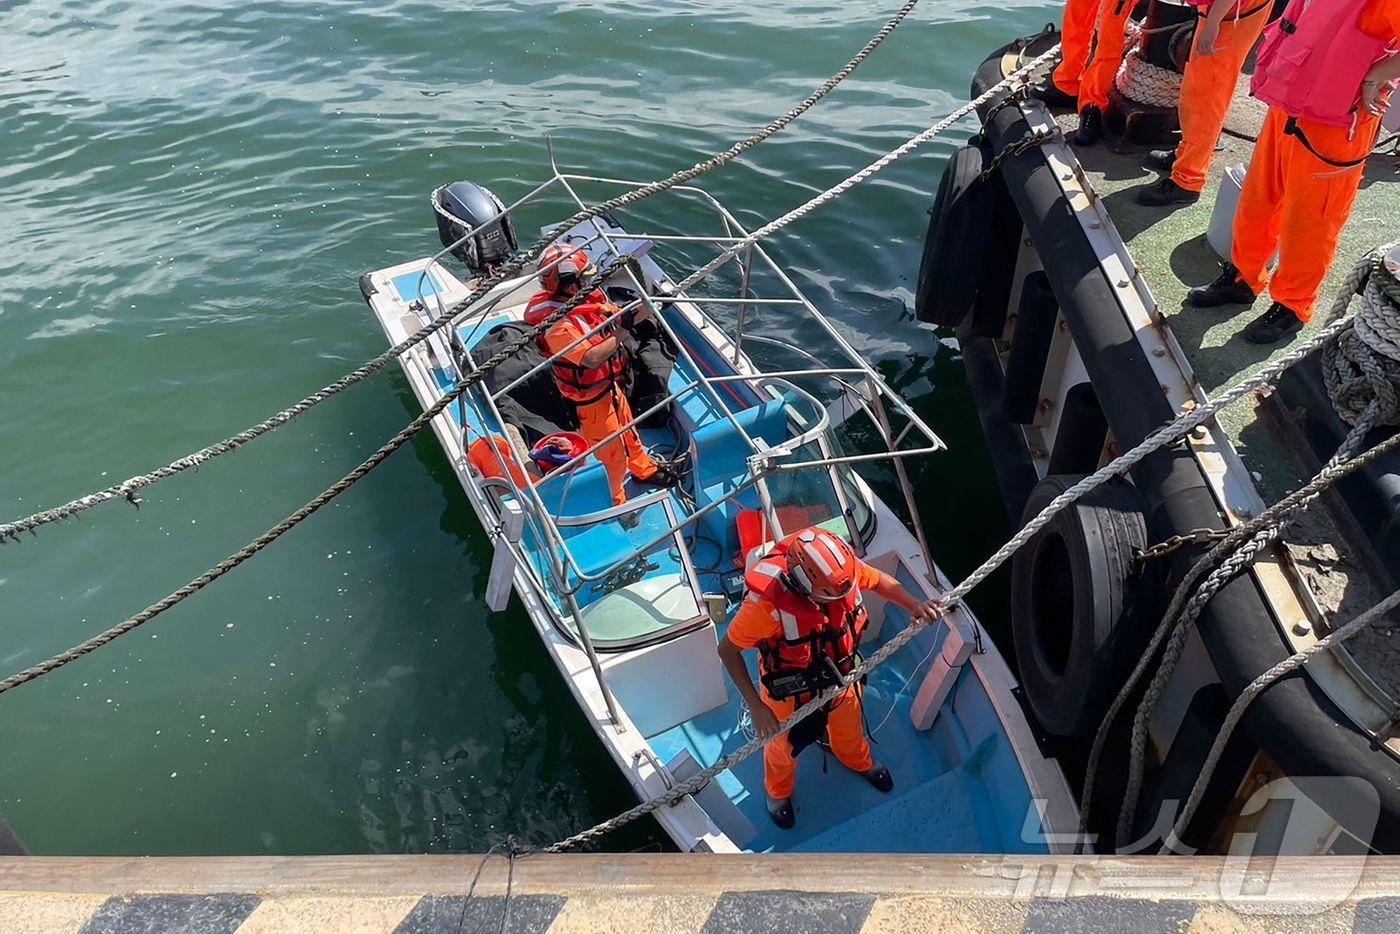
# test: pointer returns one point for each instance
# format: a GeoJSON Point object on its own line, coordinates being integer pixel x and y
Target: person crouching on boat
{"type": "Point", "coordinates": [1226, 30]}
{"type": "Point", "coordinates": [591, 370]}
{"type": "Point", "coordinates": [1326, 69]}
{"type": "Point", "coordinates": [804, 613]}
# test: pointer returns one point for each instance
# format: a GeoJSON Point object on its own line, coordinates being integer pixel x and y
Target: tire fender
{"type": "Point", "coordinates": [1082, 609]}
{"type": "Point", "coordinates": [956, 243]}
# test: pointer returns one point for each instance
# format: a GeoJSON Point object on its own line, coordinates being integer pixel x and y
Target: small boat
{"type": "Point", "coordinates": [630, 600]}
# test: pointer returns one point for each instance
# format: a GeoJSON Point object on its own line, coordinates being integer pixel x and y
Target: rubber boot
{"type": "Point", "coordinates": [1160, 159]}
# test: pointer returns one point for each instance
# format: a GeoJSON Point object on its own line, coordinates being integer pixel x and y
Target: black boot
{"type": "Point", "coordinates": [880, 777]}
{"type": "Point", "coordinates": [1164, 192]}
{"type": "Point", "coordinates": [1273, 325]}
{"type": "Point", "coordinates": [1160, 159]}
{"type": "Point", "coordinates": [1090, 126]}
{"type": "Point", "coordinates": [780, 810]}
{"type": "Point", "coordinates": [1227, 289]}
{"type": "Point", "coordinates": [1049, 93]}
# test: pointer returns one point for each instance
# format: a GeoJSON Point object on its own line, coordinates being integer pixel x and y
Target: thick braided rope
{"type": "Point", "coordinates": [1139, 79]}
{"type": "Point", "coordinates": [1276, 514]}
{"type": "Point", "coordinates": [1337, 325]}
{"type": "Point", "coordinates": [1167, 434]}
{"type": "Point", "coordinates": [128, 488]}
{"type": "Point", "coordinates": [1255, 688]}
{"type": "Point", "coordinates": [1364, 365]}
{"type": "Point", "coordinates": [281, 528]}
{"type": "Point", "coordinates": [1241, 559]}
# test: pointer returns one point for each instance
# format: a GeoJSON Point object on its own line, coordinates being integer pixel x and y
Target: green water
{"type": "Point", "coordinates": [190, 192]}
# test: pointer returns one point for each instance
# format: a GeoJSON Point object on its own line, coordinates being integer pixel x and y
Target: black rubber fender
{"type": "Point", "coordinates": [1081, 607]}
{"type": "Point", "coordinates": [956, 243]}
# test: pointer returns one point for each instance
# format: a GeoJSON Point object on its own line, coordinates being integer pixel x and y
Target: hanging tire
{"type": "Point", "coordinates": [955, 245]}
{"type": "Point", "coordinates": [1081, 609]}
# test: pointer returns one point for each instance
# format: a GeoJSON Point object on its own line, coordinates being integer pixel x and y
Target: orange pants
{"type": "Point", "coordinates": [844, 731]}
{"type": "Point", "coordinates": [625, 453]}
{"type": "Point", "coordinates": [1107, 54]}
{"type": "Point", "coordinates": [1206, 90]}
{"type": "Point", "coordinates": [1076, 33]}
{"type": "Point", "coordinates": [1294, 202]}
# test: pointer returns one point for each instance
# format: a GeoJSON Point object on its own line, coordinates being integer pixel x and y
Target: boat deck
{"type": "Point", "coordinates": [1170, 247]}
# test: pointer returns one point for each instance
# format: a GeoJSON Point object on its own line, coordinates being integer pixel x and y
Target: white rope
{"type": "Point", "coordinates": [1364, 365]}
{"type": "Point", "coordinates": [1140, 80]}
{"type": "Point", "coordinates": [128, 488]}
{"type": "Point", "coordinates": [1255, 688]}
{"type": "Point", "coordinates": [1166, 435]}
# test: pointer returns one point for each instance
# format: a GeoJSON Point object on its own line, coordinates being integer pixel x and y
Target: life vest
{"type": "Point", "coordinates": [819, 641]}
{"type": "Point", "coordinates": [1312, 60]}
{"type": "Point", "coordinates": [578, 384]}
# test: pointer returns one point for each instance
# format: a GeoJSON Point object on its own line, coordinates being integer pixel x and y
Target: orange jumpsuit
{"type": "Point", "coordinates": [1107, 55]}
{"type": "Point", "coordinates": [1297, 203]}
{"type": "Point", "coordinates": [1076, 33]}
{"type": "Point", "coordinates": [845, 729]}
{"type": "Point", "coordinates": [1207, 88]}
{"type": "Point", "coordinates": [600, 418]}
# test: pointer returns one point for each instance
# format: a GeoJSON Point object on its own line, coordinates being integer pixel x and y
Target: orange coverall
{"type": "Point", "coordinates": [1076, 33]}
{"type": "Point", "coordinates": [1207, 88]}
{"type": "Point", "coordinates": [1296, 203]}
{"type": "Point", "coordinates": [1107, 54]}
{"type": "Point", "coordinates": [599, 419]}
{"type": "Point", "coordinates": [480, 455]}
{"type": "Point", "coordinates": [845, 731]}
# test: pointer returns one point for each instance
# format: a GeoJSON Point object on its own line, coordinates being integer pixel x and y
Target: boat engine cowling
{"type": "Point", "coordinates": [472, 214]}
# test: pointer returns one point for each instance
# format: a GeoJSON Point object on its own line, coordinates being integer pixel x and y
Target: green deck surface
{"type": "Point", "coordinates": [1169, 244]}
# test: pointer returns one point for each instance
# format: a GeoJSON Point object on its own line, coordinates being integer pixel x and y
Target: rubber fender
{"type": "Point", "coordinates": [1081, 609]}
{"type": "Point", "coordinates": [956, 243]}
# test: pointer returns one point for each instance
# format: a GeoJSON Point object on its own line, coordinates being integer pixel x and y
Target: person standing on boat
{"type": "Point", "coordinates": [1225, 32]}
{"type": "Point", "coordinates": [1088, 72]}
{"type": "Point", "coordinates": [1326, 69]}
{"type": "Point", "coordinates": [804, 613]}
{"type": "Point", "coordinates": [591, 366]}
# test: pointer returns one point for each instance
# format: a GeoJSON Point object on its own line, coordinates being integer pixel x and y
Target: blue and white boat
{"type": "Point", "coordinates": [630, 600]}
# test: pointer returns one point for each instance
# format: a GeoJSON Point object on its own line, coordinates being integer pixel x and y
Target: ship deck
{"type": "Point", "coordinates": [1170, 248]}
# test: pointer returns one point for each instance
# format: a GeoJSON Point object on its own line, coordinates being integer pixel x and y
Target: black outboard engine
{"type": "Point", "coordinates": [464, 208]}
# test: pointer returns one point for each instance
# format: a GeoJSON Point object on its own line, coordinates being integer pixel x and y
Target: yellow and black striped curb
{"type": "Point", "coordinates": [829, 894]}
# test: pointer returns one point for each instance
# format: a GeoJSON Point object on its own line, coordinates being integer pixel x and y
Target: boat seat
{"type": "Point", "coordinates": [577, 492]}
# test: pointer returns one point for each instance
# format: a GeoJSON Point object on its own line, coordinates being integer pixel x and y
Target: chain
{"type": "Point", "coordinates": [1193, 537]}
{"type": "Point", "coordinates": [1024, 144]}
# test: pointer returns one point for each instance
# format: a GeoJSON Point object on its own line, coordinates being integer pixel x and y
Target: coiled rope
{"type": "Point", "coordinates": [471, 379]}
{"type": "Point", "coordinates": [128, 488]}
{"type": "Point", "coordinates": [1140, 80]}
{"type": "Point", "coordinates": [1364, 364]}
{"type": "Point", "coordinates": [1240, 546]}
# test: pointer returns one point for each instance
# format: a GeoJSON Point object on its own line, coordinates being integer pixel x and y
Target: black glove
{"type": "Point", "coordinates": [628, 319]}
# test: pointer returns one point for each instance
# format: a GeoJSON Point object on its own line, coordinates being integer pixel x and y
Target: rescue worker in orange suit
{"type": "Point", "coordinates": [1326, 68]}
{"type": "Point", "coordinates": [804, 613]}
{"type": "Point", "coordinates": [1085, 75]}
{"type": "Point", "coordinates": [591, 369]}
{"type": "Point", "coordinates": [1225, 33]}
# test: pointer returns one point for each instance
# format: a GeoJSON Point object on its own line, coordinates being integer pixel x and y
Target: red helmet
{"type": "Point", "coordinates": [821, 565]}
{"type": "Point", "coordinates": [564, 265]}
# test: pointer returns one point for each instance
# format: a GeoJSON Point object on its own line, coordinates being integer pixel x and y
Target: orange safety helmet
{"type": "Point", "coordinates": [564, 265]}
{"type": "Point", "coordinates": [821, 565]}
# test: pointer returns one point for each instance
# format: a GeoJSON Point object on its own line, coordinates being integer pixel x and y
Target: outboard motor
{"type": "Point", "coordinates": [464, 208]}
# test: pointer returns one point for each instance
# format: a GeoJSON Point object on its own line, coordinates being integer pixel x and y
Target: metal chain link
{"type": "Point", "coordinates": [1168, 545]}
{"type": "Point", "coordinates": [1024, 144]}
{"type": "Point", "coordinates": [128, 488]}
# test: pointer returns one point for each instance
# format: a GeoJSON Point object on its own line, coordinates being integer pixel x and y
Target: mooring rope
{"type": "Point", "coordinates": [1364, 365]}
{"type": "Point", "coordinates": [1256, 687]}
{"type": "Point", "coordinates": [1167, 434]}
{"type": "Point", "coordinates": [471, 379]}
{"type": "Point", "coordinates": [1223, 562]}
{"type": "Point", "coordinates": [128, 488]}
{"type": "Point", "coordinates": [1141, 80]}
